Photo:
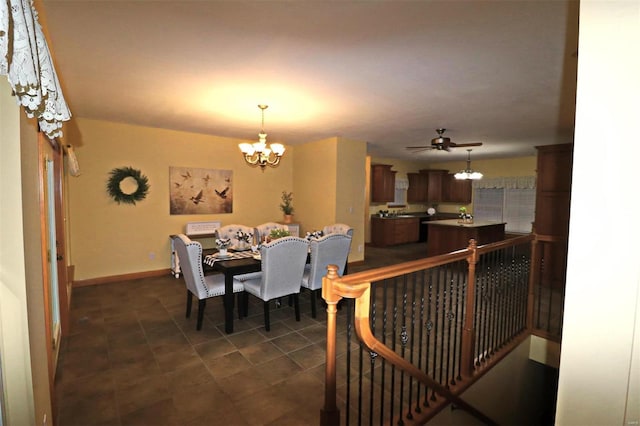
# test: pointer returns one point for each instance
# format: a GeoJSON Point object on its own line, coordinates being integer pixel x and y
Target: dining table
{"type": "Point", "coordinates": [236, 263]}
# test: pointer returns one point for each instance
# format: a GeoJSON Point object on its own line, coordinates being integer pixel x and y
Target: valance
{"type": "Point", "coordinates": [26, 61]}
{"type": "Point", "coordinates": [401, 183]}
{"type": "Point", "coordinates": [508, 182]}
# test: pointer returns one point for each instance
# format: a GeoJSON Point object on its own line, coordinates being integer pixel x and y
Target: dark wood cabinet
{"type": "Point", "coordinates": [553, 199]}
{"type": "Point", "coordinates": [435, 184]}
{"type": "Point", "coordinates": [418, 184]}
{"type": "Point", "coordinates": [456, 190]}
{"type": "Point", "coordinates": [448, 235]}
{"type": "Point", "coordinates": [393, 231]}
{"type": "Point", "coordinates": [383, 183]}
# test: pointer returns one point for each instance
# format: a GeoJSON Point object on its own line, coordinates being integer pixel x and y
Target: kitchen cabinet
{"type": "Point", "coordinates": [383, 183]}
{"type": "Point", "coordinates": [435, 184]}
{"type": "Point", "coordinates": [417, 192]}
{"type": "Point", "coordinates": [553, 199]}
{"type": "Point", "coordinates": [456, 190]}
{"type": "Point", "coordinates": [387, 231]}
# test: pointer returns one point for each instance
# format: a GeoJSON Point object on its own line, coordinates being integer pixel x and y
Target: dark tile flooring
{"type": "Point", "coordinates": [132, 358]}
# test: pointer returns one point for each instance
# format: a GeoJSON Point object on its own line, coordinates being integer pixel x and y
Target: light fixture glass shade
{"type": "Point", "coordinates": [246, 148]}
{"type": "Point", "coordinates": [468, 173]}
{"type": "Point", "coordinates": [257, 153]}
{"type": "Point", "coordinates": [277, 148]}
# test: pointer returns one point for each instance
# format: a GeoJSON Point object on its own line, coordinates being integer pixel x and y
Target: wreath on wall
{"type": "Point", "coordinates": [114, 187]}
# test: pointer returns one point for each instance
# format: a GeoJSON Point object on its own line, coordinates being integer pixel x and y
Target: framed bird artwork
{"type": "Point", "coordinates": [200, 191]}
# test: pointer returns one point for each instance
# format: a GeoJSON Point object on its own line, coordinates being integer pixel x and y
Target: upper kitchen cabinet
{"type": "Point", "coordinates": [383, 183]}
{"type": "Point", "coordinates": [417, 192]}
{"type": "Point", "coordinates": [457, 190]}
{"type": "Point", "coordinates": [435, 184]}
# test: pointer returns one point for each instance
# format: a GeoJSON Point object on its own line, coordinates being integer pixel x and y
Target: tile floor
{"type": "Point", "coordinates": [132, 358]}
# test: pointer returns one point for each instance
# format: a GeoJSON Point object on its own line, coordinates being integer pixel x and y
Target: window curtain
{"type": "Point", "coordinates": [26, 61]}
{"type": "Point", "coordinates": [509, 182]}
{"type": "Point", "coordinates": [506, 199]}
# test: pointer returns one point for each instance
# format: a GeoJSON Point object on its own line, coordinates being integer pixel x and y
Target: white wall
{"type": "Point", "coordinates": [14, 330]}
{"type": "Point", "coordinates": [597, 385]}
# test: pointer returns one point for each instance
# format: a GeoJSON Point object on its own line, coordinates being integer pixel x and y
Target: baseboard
{"type": "Point", "coordinates": [356, 263]}
{"type": "Point", "coordinates": [124, 277]}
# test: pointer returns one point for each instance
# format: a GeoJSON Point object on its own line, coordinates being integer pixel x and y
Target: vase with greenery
{"type": "Point", "coordinates": [287, 206]}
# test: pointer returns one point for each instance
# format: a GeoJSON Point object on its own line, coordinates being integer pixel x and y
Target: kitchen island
{"type": "Point", "coordinates": [450, 235]}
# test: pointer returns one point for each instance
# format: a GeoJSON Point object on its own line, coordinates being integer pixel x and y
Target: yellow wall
{"type": "Point", "coordinates": [329, 186]}
{"type": "Point", "coordinates": [110, 239]}
{"type": "Point", "coordinates": [350, 197]}
{"type": "Point", "coordinates": [315, 184]}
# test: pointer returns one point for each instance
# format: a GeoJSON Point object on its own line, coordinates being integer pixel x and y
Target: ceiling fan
{"type": "Point", "coordinates": [442, 143]}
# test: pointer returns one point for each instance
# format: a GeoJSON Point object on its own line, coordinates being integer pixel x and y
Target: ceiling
{"type": "Point", "coordinates": [385, 72]}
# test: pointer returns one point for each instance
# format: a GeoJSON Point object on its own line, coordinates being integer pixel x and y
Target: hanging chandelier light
{"type": "Point", "coordinates": [468, 173]}
{"type": "Point", "coordinates": [257, 153]}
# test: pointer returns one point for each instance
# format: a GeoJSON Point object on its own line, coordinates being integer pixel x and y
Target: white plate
{"type": "Point", "coordinates": [219, 256]}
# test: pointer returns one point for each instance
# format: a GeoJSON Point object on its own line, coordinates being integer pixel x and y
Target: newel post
{"type": "Point", "coordinates": [468, 331]}
{"type": "Point", "coordinates": [330, 414]}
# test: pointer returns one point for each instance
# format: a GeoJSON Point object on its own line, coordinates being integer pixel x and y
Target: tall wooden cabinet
{"type": "Point", "coordinates": [553, 197]}
{"type": "Point", "coordinates": [383, 183]}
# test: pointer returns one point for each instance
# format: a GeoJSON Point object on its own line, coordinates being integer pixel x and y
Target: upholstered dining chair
{"type": "Point", "coordinates": [338, 228]}
{"type": "Point", "coordinates": [203, 287]}
{"type": "Point", "coordinates": [283, 263]}
{"type": "Point", "coordinates": [332, 249]}
{"type": "Point", "coordinates": [265, 229]}
{"type": "Point", "coordinates": [230, 231]}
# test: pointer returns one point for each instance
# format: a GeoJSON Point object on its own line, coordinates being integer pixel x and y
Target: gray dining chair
{"type": "Point", "coordinates": [281, 272]}
{"type": "Point", "coordinates": [203, 287]}
{"type": "Point", "coordinates": [230, 231]}
{"type": "Point", "coordinates": [332, 249]}
{"type": "Point", "coordinates": [338, 228]}
{"type": "Point", "coordinates": [265, 229]}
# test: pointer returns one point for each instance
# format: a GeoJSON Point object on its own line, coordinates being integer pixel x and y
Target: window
{"type": "Point", "coordinates": [400, 194]}
{"type": "Point", "coordinates": [509, 200]}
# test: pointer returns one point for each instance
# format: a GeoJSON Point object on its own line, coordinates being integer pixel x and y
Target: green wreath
{"type": "Point", "coordinates": [121, 173]}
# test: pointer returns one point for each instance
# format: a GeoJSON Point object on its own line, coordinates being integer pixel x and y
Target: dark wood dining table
{"type": "Point", "coordinates": [231, 268]}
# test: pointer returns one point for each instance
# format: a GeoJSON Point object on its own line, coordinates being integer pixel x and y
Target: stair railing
{"type": "Point", "coordinates": [461, 320]}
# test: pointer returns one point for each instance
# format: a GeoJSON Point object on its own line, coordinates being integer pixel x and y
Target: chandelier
{"type": "Point", "coordinates": [257, 153]}
{"type": "Point", "coordinates": [468, 173]}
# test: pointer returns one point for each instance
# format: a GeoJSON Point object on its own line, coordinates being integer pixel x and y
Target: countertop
{"type": "Point", "coordinates": [419, 215]}
{"type": "Point", "coordinates": [454, 222]}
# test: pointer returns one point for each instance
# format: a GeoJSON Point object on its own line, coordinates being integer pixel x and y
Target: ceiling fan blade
{"type": "Point", "coordinates": [466, 144]}
{"type": "Point", "coordinates": [420, 148]}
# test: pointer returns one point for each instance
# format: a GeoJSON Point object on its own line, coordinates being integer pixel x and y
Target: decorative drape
{"type": "Point", "coordinates": [510, 182]}
{"type": "Point", "coordinates": [26, 61]}
{"type": "Point", "coordinates": [401, 183]}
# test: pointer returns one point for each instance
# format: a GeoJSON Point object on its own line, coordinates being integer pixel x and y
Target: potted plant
{"type": "Point", "coordinates": [286, 206]}
{"type": "Point", "coordinates": [278, 233]}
